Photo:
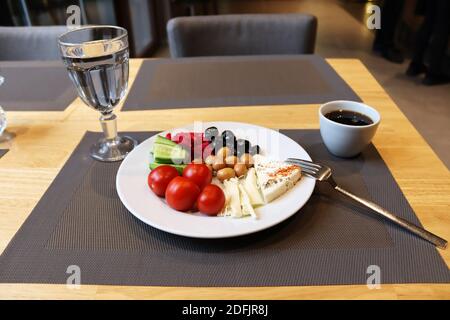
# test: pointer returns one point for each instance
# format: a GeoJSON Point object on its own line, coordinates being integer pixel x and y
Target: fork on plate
{"type": "Point", "coordinates": [322, 172]}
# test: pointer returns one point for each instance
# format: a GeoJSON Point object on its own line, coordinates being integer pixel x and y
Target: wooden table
{"type": "Point", "coordinates": [45, 140]}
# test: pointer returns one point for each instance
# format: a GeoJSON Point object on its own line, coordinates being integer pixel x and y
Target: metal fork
{"type": "Point", "coordinates": [322, 172]}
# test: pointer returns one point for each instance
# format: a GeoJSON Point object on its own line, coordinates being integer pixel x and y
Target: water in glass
{"type": "Point", "coordinates": [101, 81]}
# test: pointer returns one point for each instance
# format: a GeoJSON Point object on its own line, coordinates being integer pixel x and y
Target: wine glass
{"type": "Point", "coordinates": [97, 58]}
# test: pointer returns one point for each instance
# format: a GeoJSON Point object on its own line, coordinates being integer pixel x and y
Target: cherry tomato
{"type": "Point", "coordinates": [159, 179]}
{"type": "Point", "coordinates": [181, 194]}
{"type": "Point", "coordinates": [211, 200]}
{"type": "Point", "coordinates": [199, 174]}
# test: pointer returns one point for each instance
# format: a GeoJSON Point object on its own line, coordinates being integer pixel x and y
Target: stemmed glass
{"type": "Point", "coordinates": [97, 59]}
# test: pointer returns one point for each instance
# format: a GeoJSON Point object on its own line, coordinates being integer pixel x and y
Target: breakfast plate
{"type": "Point", "coordinates": [134, 192]}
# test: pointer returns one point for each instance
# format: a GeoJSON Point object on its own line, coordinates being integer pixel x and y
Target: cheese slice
{"type": "Point", "coordinates": [250, 185]}
{"type": "Point", "coordinates": [274, 177]}
{"type": "Point", "coordinates": [233, 207]}
{"type": "Point", "coordinates": [247, 209]}
{"type": "Point", "coordinates": [238, 203]}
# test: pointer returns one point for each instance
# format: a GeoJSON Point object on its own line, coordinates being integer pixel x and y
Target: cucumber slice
{"type": "Point", "coordinates": [163, 140]}
{"type": "Point", "coordinates": [163, 153]}
{"type": "Point", "coordinates": [179, 167]}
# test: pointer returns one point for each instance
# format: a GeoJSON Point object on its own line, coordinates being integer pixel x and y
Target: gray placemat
{"type": "Point", "coordinates": [35, 86]}
{"type": "Point", "coordinates": [235, 81]}
{"type": "Point", "coordinates": [80, 221]}
{"type": "Point", "coordinates": [3, 152]}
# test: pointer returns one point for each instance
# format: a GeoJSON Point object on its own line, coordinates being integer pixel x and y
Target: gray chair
{"type": "Point", "coordinates": [246, 34]}
{"type": "Point", "coordinates": [30, 43]}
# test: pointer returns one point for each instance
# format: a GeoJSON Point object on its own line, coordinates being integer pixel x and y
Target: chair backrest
{"type": "Point", "coordinates": [246, 34]}
{"type": "Point", "coordinates": [30, 43]}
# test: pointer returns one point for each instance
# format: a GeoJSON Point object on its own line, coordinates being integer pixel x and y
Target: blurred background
{"type": "Point", "coordinates": [342, 33]}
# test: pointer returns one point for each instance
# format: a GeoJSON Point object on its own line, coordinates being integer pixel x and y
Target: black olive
{"type": "Point", "coordinates": [243, 145]}
{"type": "Point", "coordinates": [212, 147]}
{"type": "Point", "coordinates": [217, 145]}
{"type": "Point", "coordinates": [240, 153]}
{"type": "Point", "coordinates": [232, 145]}
{"type": "Point", "coordinates": [255, 150]}
{"type": "Point", "coordinates": [228, 137]}
{"type": "Point", "coordinates": [211, 133]}
{"type": "Point", "coordinates": [209, 150]}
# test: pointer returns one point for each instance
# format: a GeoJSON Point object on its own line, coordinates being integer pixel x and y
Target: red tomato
{"type": "Point", "coordinates": [159, 178]}
{"type": "Point", "coordinates": [181, 194]}
{"type": "Point", "coordinates": [199, 174]}
{"type": "Point", "coordinates": [211, 200]}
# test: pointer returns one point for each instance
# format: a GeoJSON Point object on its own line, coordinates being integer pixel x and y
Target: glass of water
{"type": "Point", "coordinates": [97, 59]}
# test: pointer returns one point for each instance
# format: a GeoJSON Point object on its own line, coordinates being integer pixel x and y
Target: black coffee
{"type": "Point", "coordinates": [351, 118]}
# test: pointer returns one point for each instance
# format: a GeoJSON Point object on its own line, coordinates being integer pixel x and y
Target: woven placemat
{"type": "Point", "coordinates": [235, 81]}
{"type": "Point", "coordinates": [81, 221]}
{"type": "Point", "coordinates": [35, 86]}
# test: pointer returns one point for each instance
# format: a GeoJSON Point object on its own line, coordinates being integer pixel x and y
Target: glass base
{"type": "Point", "coordinates": [113, 149]}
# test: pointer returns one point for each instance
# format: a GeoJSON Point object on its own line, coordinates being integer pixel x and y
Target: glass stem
{"type": "Point", "coordinates": [109, 126]}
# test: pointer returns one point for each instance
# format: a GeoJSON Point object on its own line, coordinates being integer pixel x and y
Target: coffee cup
{"type": "Point", "coordinates": [347, 127]}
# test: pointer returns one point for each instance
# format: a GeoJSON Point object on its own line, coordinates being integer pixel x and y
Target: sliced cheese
{"type": "Point", "coordinates": [234, 205]}
{"type": "Point", "coordinates": [226, 212]}
{"type": "Point", "coordinates": [247, 208]}
{"type": "Point", "coordinates": [251, 187]}
{"type": "Point", "coordinates": [274, 177]}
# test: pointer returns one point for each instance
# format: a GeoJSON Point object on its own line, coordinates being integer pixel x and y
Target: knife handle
{"type": "Point", "coordinates": [424, 234]}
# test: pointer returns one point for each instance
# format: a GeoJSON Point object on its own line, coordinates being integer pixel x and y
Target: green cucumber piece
{"type": "Point", "coordinates": [169, 154]}
{"type": "Point", "coordinates": [163, 140]}
{"type": "Point", "coordinates": [179, 167]}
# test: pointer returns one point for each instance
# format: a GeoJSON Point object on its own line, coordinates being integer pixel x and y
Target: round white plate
{"type": "Point", "coordinates": [131, 183]}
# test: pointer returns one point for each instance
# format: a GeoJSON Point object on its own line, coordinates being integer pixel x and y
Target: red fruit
{"type": "Point", "coordinates": [177, 138]}
{"type": "Point", "coordinates": [205, 144]}
{"type": "Point", "coordinates": [193, 142]}
{"type": "Point", "coordinates": [211, 200]}
{"type": "Point", "coordinates": [159, 178]}
{"type": "Point", "coordinates": [199, 174]}
{"type": "Point", "coordinates": [198, 137]}
{"type": "Point", "coordinates": [182, 194]}
{"type": "Point", "coordinates": [197, 150]}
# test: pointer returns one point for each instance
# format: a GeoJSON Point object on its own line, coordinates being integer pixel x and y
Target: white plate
{"type": "Point", "coordinates": [131, 183]}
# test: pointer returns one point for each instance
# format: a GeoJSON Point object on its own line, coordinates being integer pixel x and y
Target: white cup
{"type": "Point", "coordinates": [345, 140]}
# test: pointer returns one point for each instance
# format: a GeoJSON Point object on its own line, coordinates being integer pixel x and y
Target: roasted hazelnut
{"type": "Point", "coordinates": [240, 169]}
{"type": "Point", "coordinates": [210, 160]}
{"type": "Point", "coordinates": [231, 161]}
{"type": "Point", "coordinates": [224, 152]}
{"type": "Point", "coordinates": [247, 159]}
{"type": "Point", "coordinates": [225, 174]}
{"type": "Point", "coordinates": [219, 164]}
